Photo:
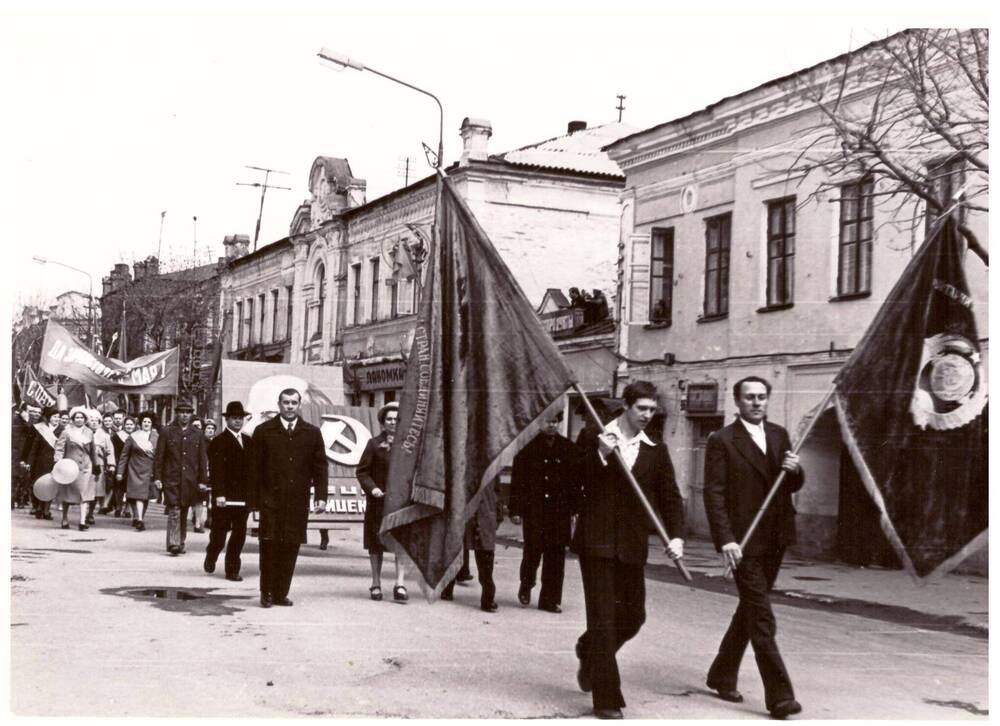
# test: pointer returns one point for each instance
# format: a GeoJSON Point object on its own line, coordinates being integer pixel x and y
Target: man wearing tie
{"type": "Point", "coordinates": [229, 473]}
{"type": "Point", "coordinates": [742, 461]}
{"type": "Point", "coordinates": [289, 461]}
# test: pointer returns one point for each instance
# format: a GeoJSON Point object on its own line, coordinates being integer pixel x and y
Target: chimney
{"type": "Point", "coordinates": [575, 126]}
{"type": "Point", "coordinates": [140, 270]}
{"type": "Point", "coordinates": [106, 285]}
{"type": "Point", "coordinates": [236, 246]}
{"type": "Point", "coordinates": [475, 136]}
{"type": "Point", "coordinates": [152, 266]}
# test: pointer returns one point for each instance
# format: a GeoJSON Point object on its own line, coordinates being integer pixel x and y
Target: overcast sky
{"type": "Point", "coordinates": [113, 115]}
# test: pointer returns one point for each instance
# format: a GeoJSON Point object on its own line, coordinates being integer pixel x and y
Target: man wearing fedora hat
{"type": "Point", "coordinates": [229, 472]}
{"type": "Point", "coordinates": [180, 468]}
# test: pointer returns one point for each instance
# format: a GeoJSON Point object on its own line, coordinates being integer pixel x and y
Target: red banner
{"type": "Point", "coordinates": [64, 355]}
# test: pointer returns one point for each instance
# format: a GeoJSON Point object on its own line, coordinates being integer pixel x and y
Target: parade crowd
{"type": "Point", "coordinates": [563, 494]}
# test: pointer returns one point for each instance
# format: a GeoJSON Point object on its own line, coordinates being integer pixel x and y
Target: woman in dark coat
{"type": "Point", "coordinates": [38, 457]}
{"type": "Point", "coordinates": [372, 472]}
{"type": "Point", "coordinates": [136, 468]}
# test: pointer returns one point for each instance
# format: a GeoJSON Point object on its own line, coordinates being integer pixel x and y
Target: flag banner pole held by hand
{"type": "Point", "coordinates": [660, 529]}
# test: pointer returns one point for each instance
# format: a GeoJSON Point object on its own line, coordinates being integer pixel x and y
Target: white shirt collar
{"type": "Point", "coordinates": [235, 433]}
{"type": "Point", "coordinates": [615, 428]}
{"type": "Point", "coordinates": [752, 428]}
{"type": "Point", "coordinates": [290, 425]}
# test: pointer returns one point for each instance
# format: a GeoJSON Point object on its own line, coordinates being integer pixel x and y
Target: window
{"type": "Point", "coordinates": [394, 298]}
{"type": "Point", "coordinates": [780, 252]}
{"type": "Point", "coordinates": [854, 268]}
{"type": "Point", "coordinates": [288, 312]}
{"type": "Point", "coordinates": [320, 287]}
{"type": "Point", "coordinates": [260, 327]}
{"type": "Point", "coordinates": [661, 276]}
{"type": "Point", "coordinates": [239, 325]}
{"type": "Point", "coordinates": [356, 310]}
{"type": "Point", "coordinates": [717, 265]}
{"type": "Point", "coordinates": [249, 321]}
{"type": "Point", "coordinates": [945, 179]}
{"type": "Point", "coordinates": [375, 291]}
{"type": "Point", "coordinates": [274, 316]}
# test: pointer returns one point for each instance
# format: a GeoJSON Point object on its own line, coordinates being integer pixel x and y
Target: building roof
{"type": "Point", "coordinates": [581, 151]}
{"type": "Point", "coordinates": [767, 84]}
{"type": "Point", "coordinates": [191, 274]}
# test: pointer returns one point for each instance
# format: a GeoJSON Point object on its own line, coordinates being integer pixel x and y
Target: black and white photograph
{"type": "Point", "coordinates": [522, 360]}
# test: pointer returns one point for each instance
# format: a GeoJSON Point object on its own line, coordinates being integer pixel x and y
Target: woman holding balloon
{"type": "Point", "coordinates": [38, 458]}
{"type": "Point", "coordinates": [75, 462]}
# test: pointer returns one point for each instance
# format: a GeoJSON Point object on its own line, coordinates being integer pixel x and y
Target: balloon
{"type": "Point", "coordinates": [65, 471]}
{"type": "Point", "coordinates": [45, 488]}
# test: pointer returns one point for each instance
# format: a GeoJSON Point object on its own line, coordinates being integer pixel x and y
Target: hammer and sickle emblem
{"type": "Point", "coordinates": [345, 439]}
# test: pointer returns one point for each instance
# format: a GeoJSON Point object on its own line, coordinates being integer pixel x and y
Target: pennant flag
{"type": "Point", "coordinates": [912, 402]}
{"type": "Point", "coordinates": [480, 370]}
{"type": "Point", "coordinates": [64, 355]}
{"type": "Point", "coordinates": [34, 392]}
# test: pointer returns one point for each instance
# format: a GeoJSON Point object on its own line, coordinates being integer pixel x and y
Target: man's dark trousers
{"type": "Point", "coordinates": [611, 622]}
{"type": "Point", "coordinates": [277, 565]}
{"type": "Point", "coordinates": [553, 561]}
{"type": "Point", "coordinates": [224, 521]}
{"type": "Point", "coordinates": [753, 622]}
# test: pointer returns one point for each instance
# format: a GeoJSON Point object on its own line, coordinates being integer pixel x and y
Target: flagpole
{"type": "Point", "coordinates": [781, 477]}
{"type": "Point", "coordinates": [660, 529]}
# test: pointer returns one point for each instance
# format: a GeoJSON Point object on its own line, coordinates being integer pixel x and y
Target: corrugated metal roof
{"type": "Point", "coordinates": [579, 151]}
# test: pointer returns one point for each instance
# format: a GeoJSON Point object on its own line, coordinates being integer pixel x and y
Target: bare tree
{"type": "Point", "coordinates": [912, 113]}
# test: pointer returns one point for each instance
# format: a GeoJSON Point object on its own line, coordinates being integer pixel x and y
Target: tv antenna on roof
{"type": "Point", "coordinates": [263, 190]}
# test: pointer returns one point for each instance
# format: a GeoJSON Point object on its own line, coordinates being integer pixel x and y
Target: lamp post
{"type": "Point", "coordinates": [90, 293]}
{"type": "Point", "coordinates": [342, 61]}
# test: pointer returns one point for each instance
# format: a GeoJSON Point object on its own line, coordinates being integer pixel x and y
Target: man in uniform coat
{"type": "Point", "coordinates": [229, 473]}
{"type": "Point", "coordinates": [180, 469]}
{"type": "Point", "coordinates": [612, 537]}
{"type": "Point", "coordinates": [289, 460]}
{"type": "Point", "coordinates": [544, 474]}
{"type": "Point", "coordinates": [742, 461]}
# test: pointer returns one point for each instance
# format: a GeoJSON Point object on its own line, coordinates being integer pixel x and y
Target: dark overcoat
{"type": "Point", "coordinates": [38, 454]}
{"type": "Point", "coordinates": [181, 464]}
{"type": "Point", "coordinates": [481, 530]}
{"type": "Point", "coordinates": [613, 523]}
{"type": "Point", "coordinates": [371, 472]}
{"type": "Point", "coordinates": [738, 477]}
{"type": "Point", "coordinates": [229, 466]}
{"type": "Point", "coordinates": [544, 475]}
{"type": "Point", "coordinates": [285, 469]}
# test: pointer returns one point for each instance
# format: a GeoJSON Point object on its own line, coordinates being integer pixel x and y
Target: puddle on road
{"type": "Point", "coordinates": [961, 705]}
{"type": "Point", "coordinates": [810, 578]}
{"type": "Point", "coordinates": [191, 600]}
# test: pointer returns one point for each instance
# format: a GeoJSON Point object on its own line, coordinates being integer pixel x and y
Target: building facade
{"type": "Point", "coordinates": [734, 263]}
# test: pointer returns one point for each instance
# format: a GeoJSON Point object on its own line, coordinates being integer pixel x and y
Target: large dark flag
{"type": "Point", "coordinates": [912, 402]}
{"type": "Point", "coordinates": [480, 371]}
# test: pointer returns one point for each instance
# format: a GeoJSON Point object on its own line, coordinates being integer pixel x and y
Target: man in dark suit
{"type": "Point", "coordinates": [742, 461]}
{"type": "Point", "coordinates": [543, 477]}
{"type": "Point", "coordinates": [180, 471]}
{"type": "Point", "coordinates": [229, 473]}
{"type": "Point", "coordinates": [612, 537]}
{"type": "Point", "coordinates": [289, 461]}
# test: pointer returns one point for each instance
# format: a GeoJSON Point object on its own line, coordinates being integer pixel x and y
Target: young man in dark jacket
{"type": "Point", "coordinates": [229, 470]}
{"type": "Point", "coordinates": [180, 469]}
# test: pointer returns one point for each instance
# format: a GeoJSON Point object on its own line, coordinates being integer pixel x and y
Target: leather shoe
{"type": "Point", "coordinates": [234, 578]}
{"type": "Point", "coordinates": [783, 709]}
{"type": "Point", "coordinates": [727, 694]}
{"type": "Point", "coordinates": [609, 713]}
{"type": "Point", "coordinates": [284, 602]}
{"type": "Point", "coordinates": [582, 674]}
{"type": "Point", "coordinates": [550, 608]}
{"type": "Point", "coordinates": [265, 601]}
{"type": "Point", "coordinates": [174, 550]}
{"type": "Point", "coordinates": [447, 595]}
{"type": "Point", "coordinates": [524, 594]}
{"type": "Point", "coordinates": [209, 566]}
{"type": "Point", "coordinates": [464, 576]}
{"type": "Point", "coordinates": [489, 607]}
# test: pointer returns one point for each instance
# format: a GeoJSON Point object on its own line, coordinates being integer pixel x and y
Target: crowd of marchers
{"type": "Point", "coordinates": [564, 494]}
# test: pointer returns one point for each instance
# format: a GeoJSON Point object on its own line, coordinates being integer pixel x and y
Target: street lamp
{"type": "Point", "coordinates": [90, 293]}
{"type": "Point", "coordinates": [340, 60]}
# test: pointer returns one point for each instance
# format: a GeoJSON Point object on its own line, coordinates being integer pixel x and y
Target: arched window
{"type": "Point", "coordinates": [319, 285]}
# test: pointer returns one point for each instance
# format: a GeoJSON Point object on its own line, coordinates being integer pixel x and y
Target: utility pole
{"type": "Point", "coordinates": [194, 249]}
{"type": "Point", "coordinates": [620, 106]}
{"type": "Point", "coordinates": [404, 170]}
{"type": "Point", "coordinates": [263, 190]}
{"type": "Point", "coordinates": [159, 244]}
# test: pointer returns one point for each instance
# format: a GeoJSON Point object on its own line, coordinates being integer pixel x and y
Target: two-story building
{"type": "Point", "coordinates": [732, 263]}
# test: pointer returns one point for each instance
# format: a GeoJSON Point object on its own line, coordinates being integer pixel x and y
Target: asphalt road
{"type": "Point", "coordinates": [97, 629]}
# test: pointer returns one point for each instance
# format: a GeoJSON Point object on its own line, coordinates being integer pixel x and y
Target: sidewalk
{"type": "Point", "coordinates": [948, 603]}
